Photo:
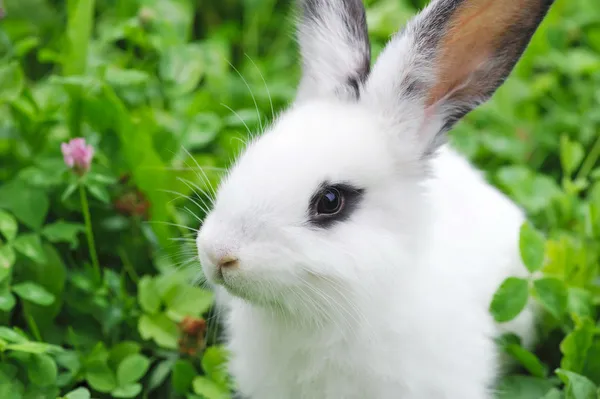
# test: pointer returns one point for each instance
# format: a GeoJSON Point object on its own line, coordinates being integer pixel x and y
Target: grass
{"type": "Point", "coordinates": [154, 86]}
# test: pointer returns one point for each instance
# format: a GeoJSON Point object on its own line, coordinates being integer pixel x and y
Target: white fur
{"type": "Point", "coordinates": [331, 53]}
{"type": "Point", "coordinates": [393, 302]}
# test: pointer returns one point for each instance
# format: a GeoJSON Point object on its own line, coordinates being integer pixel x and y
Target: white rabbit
{"type": "Point", "coordinates": [356, 253]}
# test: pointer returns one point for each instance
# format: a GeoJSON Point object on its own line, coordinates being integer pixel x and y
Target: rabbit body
{"type": "Point", "coordinates": [424, 336]}
{"type": "Point", "coordinates": [354, 254]}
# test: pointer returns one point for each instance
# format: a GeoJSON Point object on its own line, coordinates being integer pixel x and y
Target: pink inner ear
{"type": "Point", "coordinates": [476, 30]}
{"type": "Point", "coordinates": [460, 85]}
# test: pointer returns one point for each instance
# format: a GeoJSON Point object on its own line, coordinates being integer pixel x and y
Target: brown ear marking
{"type": "Point", "coordinates": [481, 43]}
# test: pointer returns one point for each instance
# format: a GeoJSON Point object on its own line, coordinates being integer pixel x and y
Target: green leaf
{"type": "Point", "coordinates": [34, 293]}
{"type": "Point", "coordinates": [27, 204]}
{"type": "Point", "coordinates": [170, 285]}
{"type": "Point", "coordinates": [148, 169]}
{"type": "Point", "coordinates": [99, 192]}
{"type": "Point", "coordinates": [7, 260]}
{"type": "Point", "coordinates": [50, 275]}
{"type": "Point", "coordinates": [8, 225]}
{"type": "Point", "coordinates": [10, 386]}
{"type": "Point", "coordinates": [34, 347]}
{"type": "Point", "coordinates": [183, 375]}
{"type": "Point", "coordinates": [63, 232]}
{"type": "Point", "coordinates": [537, 192]}
{"type": "Point", "coordinates": [575, 346]}
{"type": "Point", "coordinates": [73, 84]}
{"type": "Point", "coordinates": [11, 336]}
{"type": "Point", "coordinates": [510, 299]}
{"type": "Point", "coordinates": [7, 300]}
{"type": "Point", "coordinates": [553, 394]}
{"type": "Point", "coordinates": [122, 350]}
{"type": "Point", "coordinates": [116, 76]}
{"type": "Point", "coordinates": [182, 67]}
{"type": "Point", "coordinates": [99, 353]}
{"type": "Point", "coordinates": [159, 374]}
{"type": "Point", "coordinates": [79, 393]}
{"type": "Point", "coordinates": [159, 328]}
{"type": "Point", "coordinates": [578, 387]}
{"type": "Point", "coordinates": [11, 389]}
{"type": "Point", "coordinates": [30, 245]}
{"type": "Point", "coordinates": [8, 370]}
{"type": "Point", "coordinates": [202, 129]}
{"type": "Point", "coordinates": [80, 22]}
{"type": "Point", "coordinates": [207, 388]}
{"type": "Point", "coordinates": [214, 364]}
{"type": "Point", "coordinates": [523, 387]}
{"type": "Point", "coordinates": [100, 376]}
{"type": "Point", "coordinates": [528, 360]}
{"type": "Point", "coordinates": [42, 369]}
{"type": "Point", "coordinates": [571, 155]}
{"type": "Point", "coordinates": [127, 391]}
{"type": "Point", "coordinates": [552, 294]}
{"type": "Point", "coordinates": [188, 301]}
{"type": "Point", "coordinates": [591, 369]}
{"type": "Point", "coordinates": [11, 81]}
{"type": "Point", "coordinates": [531, 245]}
{"type": "Point", "coordinates": [100, 178]}
{"type": "Point", "coordinates": [242, 117]}
{"type": "Point", "coordinates": [71, 363]}
{"type": "Point", "coordinates": [148, 295]}
{"type": "Point", "coordinates": [132, 368]}
{"type": "Point", "coordinates": [68, 192]}
{"type": "Point", "coordinates": [580, 302]}
{"type": "Point", "coordinates": [46, 175]}
{"type": "Point", "coordinates": [34, 392]}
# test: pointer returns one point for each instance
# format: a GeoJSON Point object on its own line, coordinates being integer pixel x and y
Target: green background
{"type": "Point", "coordinates": [161, 86]}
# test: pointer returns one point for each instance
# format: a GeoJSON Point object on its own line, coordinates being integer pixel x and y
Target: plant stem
{"type": "Point", "coordinates": [128, 266]}
{"type": "Point", "coordinates": [88, 231]}
{"type": "Point", "coordinates": [34, 328]}
{"type": "Point", "coordinates": [590, 160]}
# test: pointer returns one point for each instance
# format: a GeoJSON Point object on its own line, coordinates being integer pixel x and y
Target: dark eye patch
{"type": "Point", "coordinates": [333, 203]}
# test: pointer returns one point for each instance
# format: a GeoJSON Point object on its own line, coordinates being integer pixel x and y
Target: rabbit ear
{"type": "Point", "coordinates": [334, 47]}
{"type": "Point", "coordinates": [449, 59]}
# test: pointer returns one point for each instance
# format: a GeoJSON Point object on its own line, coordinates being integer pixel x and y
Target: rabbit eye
{"type": "Point", "coordinates": [333, 203]}
{"type": "Point", "coordinates": [330, 202]}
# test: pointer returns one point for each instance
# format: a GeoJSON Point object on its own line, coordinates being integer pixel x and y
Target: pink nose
{"type": "Point", "coordinates": [227, 261]}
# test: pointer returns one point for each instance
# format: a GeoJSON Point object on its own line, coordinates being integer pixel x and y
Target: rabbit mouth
{"type": "Point", "coordinates": [250, 293]}
{"type": "Point", "coordinates": [234, 291]}
{"type": "Point", "coordinates": [232, 288]}
{"type": "Point", "coordinates": [247, 296]}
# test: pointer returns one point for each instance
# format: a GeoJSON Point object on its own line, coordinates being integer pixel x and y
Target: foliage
{"type": "Point", "coordinates": [97, 299]}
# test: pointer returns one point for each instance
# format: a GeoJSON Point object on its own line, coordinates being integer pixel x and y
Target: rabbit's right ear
{"type": "Point", "coordinates": [334, 47]}
{"type": "Point", "coordinates": [449, 59]}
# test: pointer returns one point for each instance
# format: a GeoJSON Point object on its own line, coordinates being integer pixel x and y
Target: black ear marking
{"type": "Point", "coordinates": [353, 83]}
{"type": "Point", "coordinates": [335, 48]}
{"type": "Point", "coordinates": [356, 81]}
{"type": "Point", "coordinates": [355, 21]}
{"type": "Point", "coordinates": [352, 197]}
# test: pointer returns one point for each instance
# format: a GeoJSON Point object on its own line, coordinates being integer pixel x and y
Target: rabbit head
{"type": "Point", "coordinates": [328, 203]}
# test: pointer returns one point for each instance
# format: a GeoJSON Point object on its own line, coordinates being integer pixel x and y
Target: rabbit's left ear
{"type": "Point", "coordinates": [449, 59]}
{"type": "Point", "coordinates": [334, 47]}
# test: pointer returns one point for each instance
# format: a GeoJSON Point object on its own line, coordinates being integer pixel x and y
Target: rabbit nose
{"type": "Point", "coordinates": [227, 262]}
